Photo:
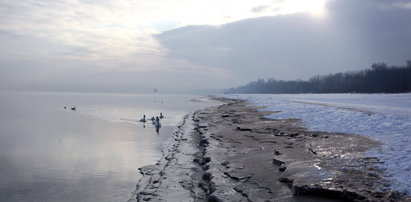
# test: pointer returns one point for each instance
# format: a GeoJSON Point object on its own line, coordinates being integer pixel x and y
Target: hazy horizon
{"type": "Point", "coordinates": [182, 46]}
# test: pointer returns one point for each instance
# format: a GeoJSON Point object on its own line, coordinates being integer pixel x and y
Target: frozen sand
{"type": "Point", "coordinates": [382, 117]}
{"type": "Point", "coordinates": [232, 153]}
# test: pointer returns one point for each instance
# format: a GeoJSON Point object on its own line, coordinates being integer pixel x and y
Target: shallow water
{"type": "Point", "coordinates": [48, 153]}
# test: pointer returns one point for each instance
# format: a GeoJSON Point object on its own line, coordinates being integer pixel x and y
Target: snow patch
{"type": "Point", "coordinates": [382, 117]}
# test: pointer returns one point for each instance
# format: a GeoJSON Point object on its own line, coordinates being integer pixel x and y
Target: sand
{"type": "Point", "coordinates": [232, 153]}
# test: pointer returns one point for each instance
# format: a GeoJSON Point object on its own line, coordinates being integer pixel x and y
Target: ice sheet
{"type": "Point", "coordinates": [383, 117]}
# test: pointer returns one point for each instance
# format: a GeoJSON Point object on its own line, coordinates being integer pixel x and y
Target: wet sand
{"type": "Point", "coordinates": [232, 153]}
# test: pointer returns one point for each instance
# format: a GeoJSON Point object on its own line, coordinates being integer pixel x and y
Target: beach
{"type": "Point", "coordinates": [232, 152]}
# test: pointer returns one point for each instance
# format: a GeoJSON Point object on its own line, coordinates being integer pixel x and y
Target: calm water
{"type": "Point", "coordinates": [48, 153]}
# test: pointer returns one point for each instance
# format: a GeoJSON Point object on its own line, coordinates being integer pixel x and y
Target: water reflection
{"type": "Point", "coordinates": [48, 153]}
{"type": "Point", "coordinates": [158, 129]}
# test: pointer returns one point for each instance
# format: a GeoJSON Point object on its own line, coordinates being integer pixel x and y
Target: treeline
{"type": "Point", "coordinates": [379, 79]}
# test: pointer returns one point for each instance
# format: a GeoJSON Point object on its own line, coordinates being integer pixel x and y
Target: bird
{"type": "Point", "coordinates": [143, 119]}
{"type": "Point", "coordinates": [157, 123]}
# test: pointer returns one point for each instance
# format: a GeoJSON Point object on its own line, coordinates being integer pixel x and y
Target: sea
{"type": "Point", "coordinates": [49, 152]}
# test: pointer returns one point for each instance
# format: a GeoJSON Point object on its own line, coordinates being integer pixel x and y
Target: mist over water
{"type": "Point", "coordinates": [48, 153]}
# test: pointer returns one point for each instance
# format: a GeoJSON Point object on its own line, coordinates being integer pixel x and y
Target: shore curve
{"type": "Point", "coordinates": [232, 153]}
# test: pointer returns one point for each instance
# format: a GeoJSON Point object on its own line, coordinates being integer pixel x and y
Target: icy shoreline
{"type": "Point", "coordinates": [212, 157]}
{"type": "Point", "coordinates": [385, 118]}
{"type": "Point", "coordinates": [152, 173]}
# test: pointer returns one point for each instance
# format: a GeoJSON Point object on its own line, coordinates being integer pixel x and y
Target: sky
{"type": "Point", "coordinates": [182, 45]}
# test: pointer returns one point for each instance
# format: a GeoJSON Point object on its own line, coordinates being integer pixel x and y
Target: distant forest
{"type": "Point", "coordinates": [379, 79]}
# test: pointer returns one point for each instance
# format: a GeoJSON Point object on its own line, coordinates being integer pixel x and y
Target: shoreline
{"type": "Point", "coordinates": [232, 153]}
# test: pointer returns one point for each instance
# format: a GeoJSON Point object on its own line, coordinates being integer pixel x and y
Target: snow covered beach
{"type": "Point", "coordinates": [382, 117]}
{"type": "Point", "coordinates": [232, 153]}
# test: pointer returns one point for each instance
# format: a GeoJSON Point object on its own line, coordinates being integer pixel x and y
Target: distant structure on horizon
{"type": "Point", "coordinates": [155, 90]}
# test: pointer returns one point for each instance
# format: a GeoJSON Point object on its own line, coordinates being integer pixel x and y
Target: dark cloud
{"type": "Point", "coordinates": [353, 35]}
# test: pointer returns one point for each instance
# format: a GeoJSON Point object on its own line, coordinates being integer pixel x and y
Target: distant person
{"type": "Point", "coordinates": [65, 107]}
{"type": "Point", "coordinates": [161, 115]}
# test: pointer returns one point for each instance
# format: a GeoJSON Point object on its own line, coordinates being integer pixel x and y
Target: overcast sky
{"type": "Point", "coordinates": [178, 45]}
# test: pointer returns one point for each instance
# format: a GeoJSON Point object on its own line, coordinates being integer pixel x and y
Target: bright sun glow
{"type": "Point", "coordinates": [314, 7]}
{"type": "Point", "coordinates": [119, 30]}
